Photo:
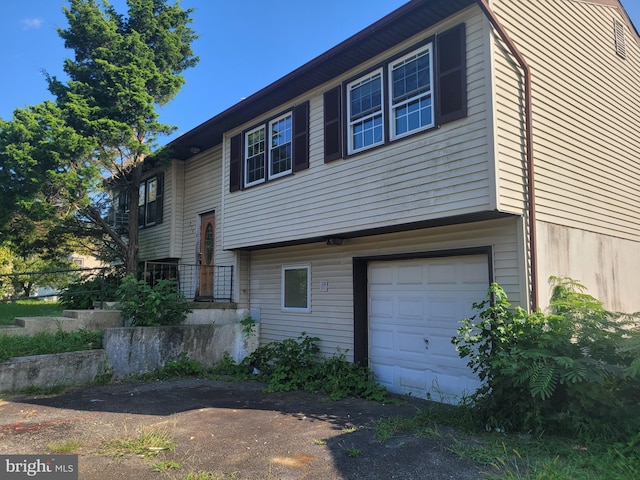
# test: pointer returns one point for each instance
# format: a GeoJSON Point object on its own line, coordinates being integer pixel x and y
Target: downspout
{"type": "Point", "coordinates": [531, 205]}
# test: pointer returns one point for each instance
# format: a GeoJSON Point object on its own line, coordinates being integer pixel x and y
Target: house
{"type": "Point", "coordinates": [370, 196]}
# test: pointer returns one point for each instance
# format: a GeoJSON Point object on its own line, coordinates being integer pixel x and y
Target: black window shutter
{"type": "Point", "coordinates": [452, 74]}
{"type": "Point", "coordinates": [235, 163]}
{"type": "Point", "coordinates": [333, 124]}
{"type": "Point", "coordinates": [301, 137]}
{"type": "Point", "coordinates": [159, 198]}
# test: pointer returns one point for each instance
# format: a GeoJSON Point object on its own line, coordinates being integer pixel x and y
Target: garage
{"type": "Point", "coordinates": [414, 307]}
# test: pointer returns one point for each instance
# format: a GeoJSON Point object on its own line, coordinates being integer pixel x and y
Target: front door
{"type": "Point", "coordinates": [205, 255]}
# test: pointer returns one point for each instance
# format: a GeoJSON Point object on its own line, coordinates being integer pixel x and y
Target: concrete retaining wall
{"type": "Point", "coordinates": [130, 351]}
{"type": "Point", "coordinates": [136, 350]}
{"type": "Point", "coordinates": [46, 371]}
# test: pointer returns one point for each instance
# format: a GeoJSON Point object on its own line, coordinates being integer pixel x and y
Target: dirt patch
{"type": "Point", "coordinates": [232, 430]}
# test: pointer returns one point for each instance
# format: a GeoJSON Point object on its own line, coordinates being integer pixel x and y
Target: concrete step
{"type": "Point", "coordinates": [94, 316]}
{"type": "Point", "coordinates": [33, 325]}
{"type": "Point", "coordinates": [11, 330]}
{"type": "Point", "coordinates": [71, 321]}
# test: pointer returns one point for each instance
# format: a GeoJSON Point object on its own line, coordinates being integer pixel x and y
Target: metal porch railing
{"type": "Point", "coordinates": [196, 282]}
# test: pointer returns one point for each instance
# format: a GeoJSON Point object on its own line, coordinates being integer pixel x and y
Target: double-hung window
{"type": "Point", "coordinates": [268, 146]}
{"type": "Point", "coordinates": [410, 98]}
{"type": "Point", "coordinates": [418, 89]}
{"type": "Point", "coordinates": [149, 202]}
{"type": "Point", "coordinates": [365, 113]}
{"type": "Point", "coordinates": [273, 149]}
{"type": "Point", "coordinates": [280, 146]}
{"type": "Point", "coordinates": [255, 157]}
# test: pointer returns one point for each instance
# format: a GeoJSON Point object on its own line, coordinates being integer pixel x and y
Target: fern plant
{"type": "Point", "coordinates": [574, 369]}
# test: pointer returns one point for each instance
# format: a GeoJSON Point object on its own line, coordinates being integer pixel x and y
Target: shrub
{"type": "Point", "coordinates": [82, 294]}
{"type": "Point", "coordinates": [574, 370]}
{"type": "Point", "coordinates": [143, 305]}
{"type": "Point", "coordinates": [296, 364]}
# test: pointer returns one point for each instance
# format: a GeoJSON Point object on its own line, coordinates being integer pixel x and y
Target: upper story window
{"type": "Point", "coordinates": [408, 94]}
{"type": "Point", "coordinates": [421, 88]}
{"type": "Point", "coordinates": [150, 202]}
{"type": "Point", "coordinates": [280, 146]}
{"type": "Point", "coordinates": [273, 149]}
{"type": "Point", "coordinates": [254, 157]}
{"type": "Point", "coordinates": [365, 112]}
{"type": "Point", "coordinates": [411, 103]}
{"type": "Point", "coordinates": [149, 210]}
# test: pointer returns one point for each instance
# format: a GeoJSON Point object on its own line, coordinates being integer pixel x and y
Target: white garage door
{"type": "Point", "coordinates": [415, 307]}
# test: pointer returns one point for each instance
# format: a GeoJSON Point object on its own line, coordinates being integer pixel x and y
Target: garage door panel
{"type": "Point", "coordinates": [382, 306]}
{"type": "Point", "coordinates": [410, 275]}
{"type": "Point", "coordinates": [443, 274]}
{"type": "Point", "coordinates": [381, 340]}
{"type": "Point", "coordinates": [403, 313]}
{"type": "Point", "coordinates": [409, 309]}
{"type": "Point", "coordinates": [381, 275]}
{"type": "Point", "coordinates": [410, 345]}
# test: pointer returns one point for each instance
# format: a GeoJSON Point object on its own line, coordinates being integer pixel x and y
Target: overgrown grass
{"type": "Point", "coordinates": [27, 308]}
{"type": "Point", "coordinates": [518, 456]}
{"type": "Point", "coordinates": [47, 343]}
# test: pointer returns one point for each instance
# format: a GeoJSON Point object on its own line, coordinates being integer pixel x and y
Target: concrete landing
{"type": "Point", "coordinates": [70, 321]}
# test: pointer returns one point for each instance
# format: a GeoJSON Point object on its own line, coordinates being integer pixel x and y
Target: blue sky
{"type": "Point", "coordinates": [244, 45]}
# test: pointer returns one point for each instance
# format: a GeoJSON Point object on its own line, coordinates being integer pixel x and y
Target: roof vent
{"type": "Point", "coordinates": [618, 33]}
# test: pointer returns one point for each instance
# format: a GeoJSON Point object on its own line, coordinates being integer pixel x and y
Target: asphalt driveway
{"type": "Point", "coordinates": [231, 429]}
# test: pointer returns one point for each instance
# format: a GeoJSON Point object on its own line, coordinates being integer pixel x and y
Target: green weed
{"type": "Point", "coordinates": [46, 343]}
{"type": "Point", "coordinates": [64, 447]}
{"type": "Point", "coordinates": [354, 452]}
{"type": "Point", "coordinates": [147, 444]}
{"type": "Point", "coordinates": [296, 364]}
{"type": "Point", "coordinates": [575, 370]}
{"type": "Point", "coordinates": [167, 465]}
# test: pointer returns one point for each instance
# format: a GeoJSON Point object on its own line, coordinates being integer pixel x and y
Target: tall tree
{"type": "Point", "coordinates": [125, 66]}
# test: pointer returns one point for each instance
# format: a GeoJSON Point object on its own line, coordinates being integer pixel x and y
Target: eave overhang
{"type": "Point", "coordinates": [398, 26]}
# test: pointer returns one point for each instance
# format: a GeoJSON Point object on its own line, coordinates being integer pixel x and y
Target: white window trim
{"type": "Point", "coordinates": [246, 157]}
{"type": "Point", "coordinates": [268, 146]}
{"type": "Point", "coordinates": [307, 267]}
{"type": "Point", "coordinates": [350, 123]}
{"type": "Point", "coordinates": [392, 108]}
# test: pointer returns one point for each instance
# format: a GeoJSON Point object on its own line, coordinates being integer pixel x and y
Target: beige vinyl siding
{"type": "Point", "coordinates": [331, 317]}
{"type": "Point", "coordinates": [438, 173]}
{"type": "Point", "coordinates": [202, 194]}
{"type": "Point", "coordinates": [509, 131]}
{"type": "Point", "coordinates": [585, 115]}
{"type": "Point", "coordinates": [155, 241]}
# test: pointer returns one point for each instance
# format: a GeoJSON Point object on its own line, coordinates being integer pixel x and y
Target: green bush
{"type": "Point", "coordinates": [297, 365]}
{"type": "Point", "coordinates": [82, 294]}
{"type": "Point", "coordinates": [143, 305]}
{"type": "Point", "coordinates": [574, 370]}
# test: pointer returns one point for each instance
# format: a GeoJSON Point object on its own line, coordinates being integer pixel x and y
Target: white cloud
{"type": "Point", "coordinates": [31, 23]}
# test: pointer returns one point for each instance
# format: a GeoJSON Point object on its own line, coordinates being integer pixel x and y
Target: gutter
{"type": "Point", "coordinates": [531, 205]}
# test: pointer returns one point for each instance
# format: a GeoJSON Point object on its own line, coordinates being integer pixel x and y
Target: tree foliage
{"type": "Point", "coordinates": [60, 159]}
{"type": "Point", "coordinates": [574, 370]}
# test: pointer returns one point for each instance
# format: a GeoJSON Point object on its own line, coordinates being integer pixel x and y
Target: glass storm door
{"type": "Point", "coordinates": [205, 255]}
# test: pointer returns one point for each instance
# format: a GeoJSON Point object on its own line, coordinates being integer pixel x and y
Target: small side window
{"type": "Point", "coordinates": [296, 288]}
